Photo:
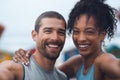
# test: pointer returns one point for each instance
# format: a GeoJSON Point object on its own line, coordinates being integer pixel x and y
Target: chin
{"type": "Point", "coordinates": [84, 54]}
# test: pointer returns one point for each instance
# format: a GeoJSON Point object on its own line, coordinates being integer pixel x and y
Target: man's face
{"type": "Point", "coordinates": [86, 36]}
{"type": "Point", "coordinates": [51, 37]}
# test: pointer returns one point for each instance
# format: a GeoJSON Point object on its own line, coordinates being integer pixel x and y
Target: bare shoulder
{"type": "Point", "coordinates": [9, 64]}
{"type": "Point", "coordinates": [105, 58]}
{"type": "Point", "coordinates": [106, 61]}
{"type": "Point", "coordinates": [109, 65]}
{"type": "Point", "coordinates": [9, 70]}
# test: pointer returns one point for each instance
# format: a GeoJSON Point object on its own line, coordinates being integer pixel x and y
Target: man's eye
{"type": "Point", "coordinates": [62, 33]}
{"type": "Point", "coordinates": [48, 31]}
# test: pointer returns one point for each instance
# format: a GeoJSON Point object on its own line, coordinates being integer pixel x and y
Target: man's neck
{"type": "Point", "coordinates": [44, 62]}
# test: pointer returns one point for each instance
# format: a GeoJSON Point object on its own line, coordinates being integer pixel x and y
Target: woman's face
{"type": "Point", "coordinates": [86, 36]}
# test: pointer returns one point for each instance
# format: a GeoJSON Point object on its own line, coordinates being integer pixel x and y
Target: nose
{"type": "Point", "coordinates": [81, 37]}
{"type": "Point", "coordinates": [54, 36]}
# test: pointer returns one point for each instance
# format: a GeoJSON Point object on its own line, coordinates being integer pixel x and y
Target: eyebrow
{"type": "Point", "coordinates": [47, 28]}
{"type": "Point", "coordinates": [75, 28]}
{"type": "Point", "coordinates": [61, 29]}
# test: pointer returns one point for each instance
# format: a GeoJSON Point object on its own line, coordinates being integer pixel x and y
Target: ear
{"type": "Point", "coordinates": [34, 35]}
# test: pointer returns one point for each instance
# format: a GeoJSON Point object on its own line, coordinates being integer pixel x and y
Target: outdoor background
{"type": "Point", "coordinates": [18, 17]}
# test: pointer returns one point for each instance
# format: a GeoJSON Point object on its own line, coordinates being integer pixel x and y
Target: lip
{"type": "Point", "coordinates": [53, 47]}
{"type": "Point", "coordinates": [83, 47]}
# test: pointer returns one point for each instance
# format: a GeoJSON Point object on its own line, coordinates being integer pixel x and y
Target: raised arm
{"type": "Point", "coordinates": [22, 56]}
{"type": "Point", "coordinates": [70, 66]}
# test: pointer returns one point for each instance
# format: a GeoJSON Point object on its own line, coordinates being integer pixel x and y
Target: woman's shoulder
{"type": "Point", "coordinates": [104, 58]}
{"type": "Point", "coordinates": [10, 65]}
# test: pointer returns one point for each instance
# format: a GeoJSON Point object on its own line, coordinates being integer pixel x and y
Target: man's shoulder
{"type": "Point", "coordinates": [60, 74]}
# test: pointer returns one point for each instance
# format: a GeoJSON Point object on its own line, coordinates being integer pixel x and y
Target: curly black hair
{"type": "Point", "coordinates": [103, 14]}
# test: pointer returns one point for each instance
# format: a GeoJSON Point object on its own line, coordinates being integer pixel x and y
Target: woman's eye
{"type": "Point", "coordinates": [75, 31]}
{"type": "Point", "coordinates": [90, 32]}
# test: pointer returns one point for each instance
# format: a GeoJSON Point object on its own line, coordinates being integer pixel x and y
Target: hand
{"type": "Point", "coordinates": [22, 56]}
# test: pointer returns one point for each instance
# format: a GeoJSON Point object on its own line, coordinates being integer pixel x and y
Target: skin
{"type": "Point", "coordinates": [88, 41]}
{"type": "Point", "coordinates": [51, 33]}
{"type": "Point", "coordinates": [49, 42]}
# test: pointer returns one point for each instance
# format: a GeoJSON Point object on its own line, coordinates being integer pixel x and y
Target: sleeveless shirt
{"type": "Point", "coordinates": [35, 72]}
{"type": "Point", "coordinates": [88, 76]}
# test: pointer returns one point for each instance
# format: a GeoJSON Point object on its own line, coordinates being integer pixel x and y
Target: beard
{"type": "Point", "coordinates": [51, 55]}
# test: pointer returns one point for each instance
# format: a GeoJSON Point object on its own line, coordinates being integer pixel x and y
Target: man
{"type": "Point", "coordinates": [49, 35]}
{"type": "Point", "coordinates": [89, 22]}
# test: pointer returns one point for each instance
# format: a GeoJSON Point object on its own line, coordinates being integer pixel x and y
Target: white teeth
{"type": "Point", "coordinates": [53, 46]}
{"type": "Point", "coordinates": [83, 46]}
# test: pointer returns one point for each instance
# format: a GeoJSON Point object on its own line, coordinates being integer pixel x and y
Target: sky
{"type": "Point", "coordinates": [18, 17]}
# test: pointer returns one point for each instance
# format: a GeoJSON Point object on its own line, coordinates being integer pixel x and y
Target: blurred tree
{"type": "Point", "coordinates": [114, 49]}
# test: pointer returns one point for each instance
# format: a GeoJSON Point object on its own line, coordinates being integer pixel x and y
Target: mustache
{"type": "Point", "coordinates": [58, 42]}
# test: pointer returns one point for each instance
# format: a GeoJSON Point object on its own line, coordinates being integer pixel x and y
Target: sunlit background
{"type": "Point", "coordinates": [18, 17]}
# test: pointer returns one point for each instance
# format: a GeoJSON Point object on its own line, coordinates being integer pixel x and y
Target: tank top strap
{"type": "Point", "coordinates": [88, 76]}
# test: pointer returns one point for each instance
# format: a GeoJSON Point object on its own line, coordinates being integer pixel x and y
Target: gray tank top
{"type": "Point", "coordinates": [34, 72]}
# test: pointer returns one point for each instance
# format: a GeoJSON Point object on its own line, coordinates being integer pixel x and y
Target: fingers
{"type": "Point", "coordinates": [20, 56]}
{"type": "Point", "coordinates": [28, 53]}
